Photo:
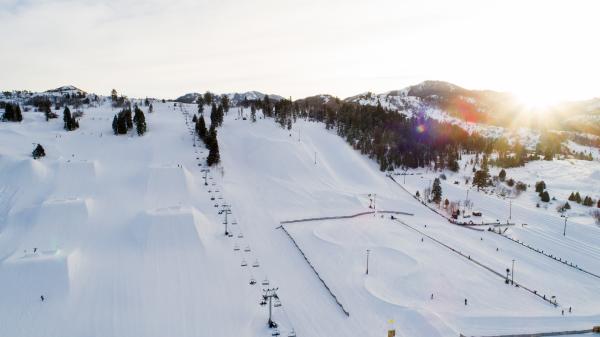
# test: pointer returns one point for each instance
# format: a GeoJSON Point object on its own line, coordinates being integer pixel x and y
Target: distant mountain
{"type": "Point", "coordinates": [66, 89]}
{"type": "Point", "coordinates": [484, 106]}
{"type": "Point", "coordinates": [235, 98]}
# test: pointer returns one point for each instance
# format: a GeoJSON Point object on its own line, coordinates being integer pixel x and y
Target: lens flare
{"type": "Point", "coordinates": [420, 128]}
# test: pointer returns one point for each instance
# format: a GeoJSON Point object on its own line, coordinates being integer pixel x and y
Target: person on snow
{"type": "Point", "coordinates": [465, 301]}
{"type": "Point", "coordinates": [42, 298]}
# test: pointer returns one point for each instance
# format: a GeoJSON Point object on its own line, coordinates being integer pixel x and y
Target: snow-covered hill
{"type": "Point", "coordinates": [235, 98]}
{"type": "Point", "coordinates": [122, 237]}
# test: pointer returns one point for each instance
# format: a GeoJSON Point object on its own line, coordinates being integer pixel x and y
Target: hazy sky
{"type": "Point", "coordinates": [539, 49]}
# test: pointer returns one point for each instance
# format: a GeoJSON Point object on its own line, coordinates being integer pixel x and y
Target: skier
{"type": "Point", "coordinates": [432, 296]}
{"type": "Point", "coordinates": [42, 298]}
{"type": "Point", "coordinates": [465, 301]}
{"type": "Point", "coordinates": [563, 312]}
{"type": "Point", "coordinates": [34, 250]}
{"type": "Point", "coordinates": [421, 239]}
{"type": "Point", "coordinates": [569, 310]}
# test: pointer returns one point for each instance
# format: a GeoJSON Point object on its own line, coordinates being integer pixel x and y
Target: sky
{"type": "Point", "coordinates": [540, 50]}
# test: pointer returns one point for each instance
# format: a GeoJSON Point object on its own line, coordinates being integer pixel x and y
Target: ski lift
{"type": "Point", "coordinates": [265, 282]}
{"type": "Point", "coordinates": [255, 264]}
{"type": "Point", "coordinates": [236, 248]}
{"type": "Point", "coordinates": [263, 302]}
{"type": "Point", "coordinates": [252, 281]}
{"type": "Point", "coordinates": [244, 263]}
{"type": "Point", "coordinates": [234, 222]}
{"type": "Point", "coordinates": [212, 197]}
{"type": "Point", "coordinates": [216, 205]}
{"type": "Point", "coordinates": [230, 235]}
{"type": "Point", "coordinates": [240, 235]}
{"type": "Point", "coordinates": [247, 249]}
{"type": "Point", "coordinates": [275, 332]}
{"type": "Point", "coordinates": [292, 333]}
{"type": "Point", "coordinates": [277, 303]}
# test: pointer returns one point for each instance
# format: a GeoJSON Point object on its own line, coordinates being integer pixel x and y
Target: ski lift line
{"type": "Point", "coordinates": [470, 259]}
{"type": "Point", "coordinates": [316, 273]}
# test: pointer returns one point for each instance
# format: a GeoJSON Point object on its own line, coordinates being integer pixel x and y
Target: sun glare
{"type": "Point", "coordinates": [537, 100]}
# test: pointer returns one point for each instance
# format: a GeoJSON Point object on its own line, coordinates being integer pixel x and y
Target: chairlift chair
{"type": "Point", "coordinates": [244, 263]}
{"type": "Point", "coordinates": [255, 264]}
{"type": "Point", "coordinates": [265, 282]}
{"type": "Point", "coordinates": [240, 235]}
{"type": "Point", "coordinates": [236, 248]}
{"type": "Point", "coordinates": [247, 249]}
{"type": "Point", "coordinates": [230, 235]}
{"type": "Point", "coordinates": [277, 303]}
{"type": "Point", "coordinates": [292, 333]}
{"type": "Point", "coordinates": [252, 281]}
{"type": "Point", "coordinates": [275, 332]}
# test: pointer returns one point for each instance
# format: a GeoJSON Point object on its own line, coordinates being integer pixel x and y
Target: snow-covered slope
{"type": "Point", "coordinates": [121, 236]}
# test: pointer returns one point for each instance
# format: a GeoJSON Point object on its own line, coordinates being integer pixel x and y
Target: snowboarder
{"type": "Point", "coordinates": [34, 250]}
{"type": "Point", "coordinates": [42, 298]}
{"type": "Point", "coordinates": [465, 301]}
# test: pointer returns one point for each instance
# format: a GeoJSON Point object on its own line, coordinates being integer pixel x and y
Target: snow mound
{"type": "Point", "coordinates": [172, 228]}
{"type": "Point", "coordinates": [26, 274]}
{"type": "Point", "coordinates": [72, 176]}
{"type": "Point", "coordinates": [168, 186]}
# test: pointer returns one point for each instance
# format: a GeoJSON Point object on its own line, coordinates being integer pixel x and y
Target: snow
{"type": "Point", "coordinates": [128, 242]}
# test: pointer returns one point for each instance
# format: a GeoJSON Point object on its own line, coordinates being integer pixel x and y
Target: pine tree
{"type": "Point", "coordinates": [540, 186]}
{"type": "Point", "coordinates": [201, 128]}
{"type": "Point", "coordinates": [220, 115]}
{"type": "Point", "coordinates": [453, 165]}
{"type": "Point", "coordinates": [480, 179]}
{"type": "Point", "coordinates": [213, 148]}
{"type": "Point", "coordinates": [572, 196]}
{"type": "Point", "coordinates": [436, 191]}
{"type": "Point", "coordinates": [128, 118]}
{"type": "Point", "coordinates": [545, 196]}
{"type": "Point", "coordinates": [12, 113]}
{"type": "Point", "coordinates": [213, 115]}
{"type": "Point", "coordinates": [567, 205]}
{"type": "Point", "coordinates": [38, 152]}
{"type": "Point", "coordinates": [225, 103]}
{"type": "Point", "coordinates": [502, 175]}
{"type": "Point", "coordinates": [140, 121]}
{"type": "Point", "coordinates": [70, 123]}
{"type": "Point", "coordinates": [208, 98]}
{"type": "Point", "coordinates": [578, 198]}
{"type": "Point", "coordinates": [253, 113]}
{"type": "Point", "coordinates": [194, 119]}
{"type": "Point", "coordinates": [113, 95]}
{"type": "Point", "coordinates": [115, 124]}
